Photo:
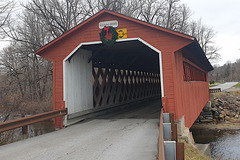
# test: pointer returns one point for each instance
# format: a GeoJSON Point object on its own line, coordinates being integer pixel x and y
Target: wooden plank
{"type": "Point", "coordinates": [174, 132]}
{"type": "Point", "coordinates": [171, 117]}
{"type": "Point", "coordinates": [161, 155]}
{"type": "Point", "coordinates": [180, 151]}
{"type": "Point", "coordinates": [173, 127]}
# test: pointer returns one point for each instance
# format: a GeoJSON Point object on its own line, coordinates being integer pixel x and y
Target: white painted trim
{"type": "Point", "coordinates": [119, 40]}
{"type": "Point", "coordinates": [160, 62]}
{"type": "Point", "coordinates": [86, 43]}
{"type": "Point", "coordinates": [64, 84]}
{"type": "Point", "coordinates": [99, 42]}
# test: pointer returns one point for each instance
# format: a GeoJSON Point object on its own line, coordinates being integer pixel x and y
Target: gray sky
{"type": "Point", "coordinates": [223, 16]}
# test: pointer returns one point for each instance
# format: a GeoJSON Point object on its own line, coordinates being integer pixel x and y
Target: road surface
{"type": "Point", "coordinates": [123, 136]}
{"type": "Point", "coordinates": [225, 86]}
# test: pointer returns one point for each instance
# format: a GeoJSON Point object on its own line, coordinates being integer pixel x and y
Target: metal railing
{"type": "Point", "coordinates": [170, 139]}
{"type": "Point", "coordinates": [215, 90]}
{"type": "Point", "coordinates": [12, 124]}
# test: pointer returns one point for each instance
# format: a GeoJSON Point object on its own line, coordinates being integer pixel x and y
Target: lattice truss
{"type": "Point", "coordinates": [192, 73]}
{"type": "Point", "coordinates": [115, 86]}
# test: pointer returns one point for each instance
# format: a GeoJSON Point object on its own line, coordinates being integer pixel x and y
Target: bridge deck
{"type": "Point", "coordinates": [129, 134]}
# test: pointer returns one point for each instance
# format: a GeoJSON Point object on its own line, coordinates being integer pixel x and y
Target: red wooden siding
{"type": "Point", "coordinates": [191, 96]}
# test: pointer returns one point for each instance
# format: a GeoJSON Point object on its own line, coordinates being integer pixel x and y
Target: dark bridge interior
{"type": "Point", "coordinates": [126, 55]}
{"type": "Point", "coordinates": [125, 72]}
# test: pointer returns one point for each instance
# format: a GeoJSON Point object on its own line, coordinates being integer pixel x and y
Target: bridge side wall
{"type": "Point", "coordinates": [191, 96]}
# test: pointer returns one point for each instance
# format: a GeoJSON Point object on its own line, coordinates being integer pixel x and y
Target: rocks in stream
{"type": "Point", "coordinates": [224, 108]}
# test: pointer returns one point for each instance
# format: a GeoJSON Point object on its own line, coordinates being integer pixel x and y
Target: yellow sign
{"type": "Point", "coordinates": [122, 33]}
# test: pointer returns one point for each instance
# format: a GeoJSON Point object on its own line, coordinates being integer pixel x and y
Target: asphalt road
{"type": "Point", "coordinates": [225, 86]}
{"type": "Point", "coordinates": [123, 136]}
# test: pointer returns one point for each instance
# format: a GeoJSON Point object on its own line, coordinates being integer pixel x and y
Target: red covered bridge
{"type": "Point", "coordinates": [151, 63]}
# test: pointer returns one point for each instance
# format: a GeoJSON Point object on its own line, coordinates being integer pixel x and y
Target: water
{"type": "Point", "coordinates": [227, 147]}
{"type": "Point", "coordinates": [225, 144]}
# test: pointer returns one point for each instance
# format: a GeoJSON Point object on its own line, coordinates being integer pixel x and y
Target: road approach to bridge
{"type": "Point", "coordinates": [225, 86]}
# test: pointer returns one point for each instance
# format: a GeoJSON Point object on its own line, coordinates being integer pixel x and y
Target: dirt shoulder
{"type": "Point", "coordinates": [224, 112]}
{"type": "Point", "coordinates": [218, 126]}
{"type": "Point", "coordinates": [233, 89]}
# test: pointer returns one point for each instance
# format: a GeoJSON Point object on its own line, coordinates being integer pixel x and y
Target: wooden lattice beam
{"type": "Point", "coordinates": [116, 86]}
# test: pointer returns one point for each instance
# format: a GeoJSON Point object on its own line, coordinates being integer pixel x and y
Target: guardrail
{"type": "Point", "coordinates": [161, 155]}
{"type": "Point", "coordinates": [173, 150]}
{"type": "Point", "coordinates": [215, 90]}
{"type": "Point", "coordinates": [12, 124]}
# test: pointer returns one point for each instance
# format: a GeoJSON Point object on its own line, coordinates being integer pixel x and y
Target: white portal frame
{"type": "Point", "coordinates": [119, 40]}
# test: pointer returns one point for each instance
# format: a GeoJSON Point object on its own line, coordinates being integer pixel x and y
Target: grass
{"type": "Point", "coordinates": [192, 153]}
{"type": "Point", "coordinates": [237, 85]}
{"type": "Point", "coordinates": [215, 84]}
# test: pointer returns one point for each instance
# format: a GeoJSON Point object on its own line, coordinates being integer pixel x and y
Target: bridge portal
{"type": "Point", "coordinates": [98, 77]}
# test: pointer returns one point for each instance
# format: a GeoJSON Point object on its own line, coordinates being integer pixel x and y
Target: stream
{"type": "Point", "coordinates": [225, 144]}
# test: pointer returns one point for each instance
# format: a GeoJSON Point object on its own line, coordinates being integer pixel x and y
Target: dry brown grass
{"type": "Point", "coordinates": [192, 153]}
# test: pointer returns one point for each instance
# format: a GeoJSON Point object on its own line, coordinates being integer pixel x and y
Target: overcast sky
{"type": "Point", "coordinates": [223, 16]}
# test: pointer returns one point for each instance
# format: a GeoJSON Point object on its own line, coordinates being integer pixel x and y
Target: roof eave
{"type": "Point", "coordinates": [200, 53]}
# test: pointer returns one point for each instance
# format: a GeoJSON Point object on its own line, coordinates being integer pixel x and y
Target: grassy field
{"type": "Point", "coordinates": [237, 85]}
{"type": "Point", "coordinates": [215, 84]}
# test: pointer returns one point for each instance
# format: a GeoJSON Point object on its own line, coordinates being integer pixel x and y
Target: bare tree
{"type": "Point", "coordinates": [113, 5]}
{"type": "Point", "coordinates": [28, 71]}
{"type": "Point", "coordinates": [5, 10]}
{"type": "Point", "coordinates": [205, 36]}
{"type": "Point", "coordinates": [166, 13]}
{"type": "Point", "coordinates": [60, 15]}
{"type": "Point", "coordinates": [227, 72]}
{"type": "Point", "coordinates": [152, 10]}
{"type": "Point", "coordinates": [170, 12]}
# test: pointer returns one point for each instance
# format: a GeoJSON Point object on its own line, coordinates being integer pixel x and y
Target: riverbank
{"type": "Point", "coordinates": [218, 125]}
{"type": "Point", "coordinates": [223, 114]}
{"type": "Point", "coordinates": [228, 125]}
{"type": "Point", "coordinates": [207, 133]}
{"type": "Point", "coordinates": [193, 153]}
{"type": "Point", "coordinates": [223, 110]}
{"type": "Point", "coordinates": [223, 139]}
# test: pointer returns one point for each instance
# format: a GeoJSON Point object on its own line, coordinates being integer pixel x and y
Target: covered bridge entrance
{"type": "Point", "coordinates": [89, 76]}
{"type": "Point", "coordinates": [98, 77]}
